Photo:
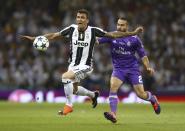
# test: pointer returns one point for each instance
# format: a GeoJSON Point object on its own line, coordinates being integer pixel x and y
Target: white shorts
{"type": "Point", "coordinates": [81, 71]}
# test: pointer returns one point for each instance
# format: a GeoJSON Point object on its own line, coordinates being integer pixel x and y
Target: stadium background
{"type": "Point", "coordinates": [23, 67]}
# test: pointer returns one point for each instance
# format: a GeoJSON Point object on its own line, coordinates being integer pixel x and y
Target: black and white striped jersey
{"type": "Point", "coordinates": [82, 43]}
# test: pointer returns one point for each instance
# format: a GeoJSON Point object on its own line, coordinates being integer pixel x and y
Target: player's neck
{"type": "Point", "coordinates": [82, 29]}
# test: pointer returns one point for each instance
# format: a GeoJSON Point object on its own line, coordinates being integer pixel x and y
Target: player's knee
{"type": "Point", "coordinates": [68, 75]}
{"type": "Point", "coordinates": [65, 76]}
{"type": "Point", "coordinates": [113, 84]}
{"type": "Point", "coordinates": [65, 79]}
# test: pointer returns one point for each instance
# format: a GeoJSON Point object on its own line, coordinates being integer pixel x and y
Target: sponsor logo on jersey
{"type": "Point", "coordinates": [121, 50]}
{"type": "Point", "coordinates": [87, 36]}
{"type": "Point", "coordinates": [81, 44]}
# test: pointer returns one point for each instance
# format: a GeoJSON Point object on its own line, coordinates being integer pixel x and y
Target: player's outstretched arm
{"type": "Point", "coordinates": [124, 34]}
{"type": "Point", "coordinates": [25, 37]}
{"type": "Point", "coordinates": [53, 36]}
{"type": "Point", "coordinates": [50, 36]}
{"type": "Point", "coordinates": [146, 64]}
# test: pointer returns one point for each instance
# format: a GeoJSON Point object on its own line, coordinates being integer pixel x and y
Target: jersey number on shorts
{"type": "Point", "coordinates": [140, 79]}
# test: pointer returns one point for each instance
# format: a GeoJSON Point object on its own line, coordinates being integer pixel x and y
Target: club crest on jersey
{"type": "Point", "coordinates": [114, 41]}
{"type": "Point", "coordinates": [81, 44]}
{"type": "Point", "coordinates": [87, 36]}
{"type": "Point", "coordinates": [128, 43]}
{"type": "Point", "coordinates": [75, 34]}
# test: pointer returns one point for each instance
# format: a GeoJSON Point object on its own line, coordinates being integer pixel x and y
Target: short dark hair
{"type": "Point", "coordinates": [122, 18]}
{"type": "Point", "coordinates": [84, 11]}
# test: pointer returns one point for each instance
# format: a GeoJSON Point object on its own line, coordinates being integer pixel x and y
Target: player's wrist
{"type": "Point", "coordinates": [147, 67]}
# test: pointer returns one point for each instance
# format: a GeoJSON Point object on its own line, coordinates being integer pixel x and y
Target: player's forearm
{"type": "Point", "coordinates": [146, 62]}
{"type": "Point", "coordinates": [123, 34]}
{"type": "Point", "coordinates": [31, 38]}
{"type": "Point", "coordinates": [52, 36]}
{"type": "Point", "coordinates": [120, 34]}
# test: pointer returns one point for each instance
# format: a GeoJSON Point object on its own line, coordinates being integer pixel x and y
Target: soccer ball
{"type": "Point", "coordinates": [41, 43]}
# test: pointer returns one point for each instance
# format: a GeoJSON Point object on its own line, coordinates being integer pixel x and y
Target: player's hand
{"type": "Point", "coordinates": [24, 37]}
{"type": "Point", "coordinates": [97, 42]}
{"type": "Point", "coordinates": [150, 70]}
{"type": "Point", "coordinates": [139, 29]}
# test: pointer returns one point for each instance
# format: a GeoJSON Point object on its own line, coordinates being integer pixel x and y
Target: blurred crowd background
{"type": "Point", "coordinates": [21, 66]}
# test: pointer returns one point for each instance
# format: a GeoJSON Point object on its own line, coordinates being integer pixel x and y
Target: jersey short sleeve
{"type": "Point", "coordinates": [99, 32]}
{"type": "Point", "coordinates": [66, 31]}
{"type": "Point", "coordinates": [103, 40]}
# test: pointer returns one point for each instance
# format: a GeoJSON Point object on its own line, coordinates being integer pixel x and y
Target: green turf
{"type": "Point", "coordinates": [131, 117]}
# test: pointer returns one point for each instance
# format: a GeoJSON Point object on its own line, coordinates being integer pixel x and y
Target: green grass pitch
{"type": "Point", "coordinates": [131, 117]}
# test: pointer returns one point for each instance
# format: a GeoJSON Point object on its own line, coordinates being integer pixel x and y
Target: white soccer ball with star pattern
{"type": "Point", "coordinates": [41, 43]}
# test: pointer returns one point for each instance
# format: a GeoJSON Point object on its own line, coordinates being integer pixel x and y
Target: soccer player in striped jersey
{"type": "Point", "coordinates": [126, 68]}
{"type": "Point", "coordinates": [82, 40]}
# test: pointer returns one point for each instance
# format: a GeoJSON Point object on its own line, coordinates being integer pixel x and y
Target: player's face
{"type": "Point", "coordinates": [82, 21]}
{"type": "Point", "coordinates": [122, 25]}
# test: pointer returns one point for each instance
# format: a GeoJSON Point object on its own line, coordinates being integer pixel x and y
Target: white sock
{"type": "Point", "coordinates": [84, 92]}
{"type": "Point", "coordinates": [68, 89]}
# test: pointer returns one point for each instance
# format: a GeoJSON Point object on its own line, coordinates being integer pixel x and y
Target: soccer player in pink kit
{"type": "Point", "coordinates": [126, 67]}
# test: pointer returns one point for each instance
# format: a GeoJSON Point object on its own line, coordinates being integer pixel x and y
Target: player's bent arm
{"type": "Point", "coordinates": [145, 62]}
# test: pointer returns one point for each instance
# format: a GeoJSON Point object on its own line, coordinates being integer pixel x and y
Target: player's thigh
{"type": "Point", "coordinates": [115, 83]}
{"type": "Point", "coordinates": [134, 76]}
{"type": "Point", "coordinates": [81, 72]}
{"type": "Point", "coordinates": [68, 75]}
{"type": "Point", "coordinates": [139, 89]}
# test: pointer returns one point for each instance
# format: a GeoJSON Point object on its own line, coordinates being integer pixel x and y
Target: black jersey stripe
{"type": "Point", "coordinates": [71, 44]}
{"type": "Point", "coordinates": [99, 32]}
{"type": "Point", "coordinates": [92, 42]}
{"type": "Point", "coordinates": [81, 36]}
{"type": "Point", "coordinates": [65, 31]}
{"type": "Point", "coordinates": [78, 55]}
